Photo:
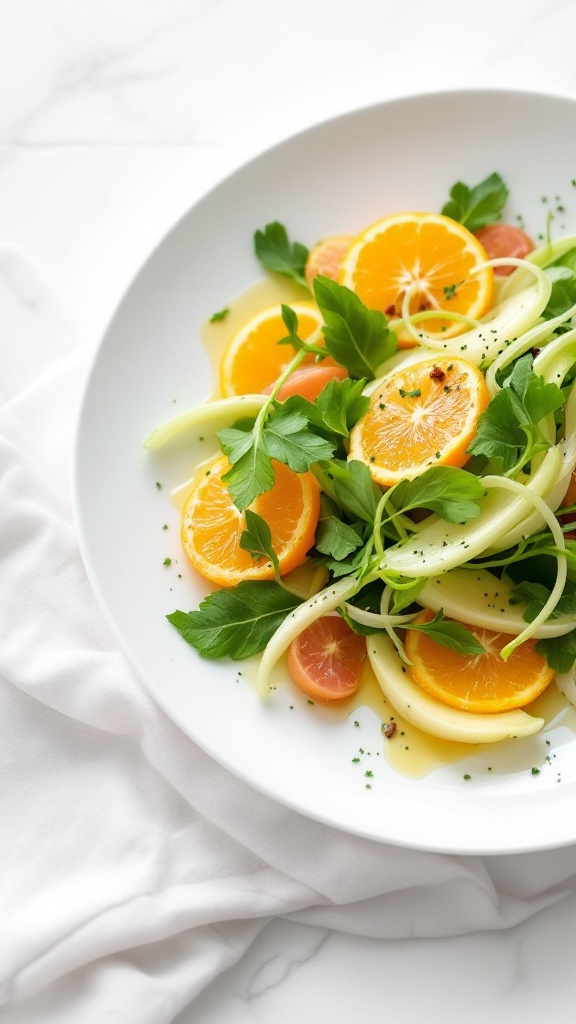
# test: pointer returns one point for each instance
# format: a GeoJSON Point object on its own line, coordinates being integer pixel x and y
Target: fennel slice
{"type": "Point", "coordinates": [430, 715]}
{"type": "Point", "coordinates": [478, 598]}
{"type": "Point", "coordinates": [213, 414]}
{"type": "Point", "coordinates": [440, 546]}
{"type": "Point", "coordinates": [510, 318]}
{"type": "Point", "coordinates": [534, 521]}
{"type": "Point", "coordinates": [566, 683]}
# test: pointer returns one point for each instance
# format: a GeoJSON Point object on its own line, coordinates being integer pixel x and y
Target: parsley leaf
{"type": "Point", "coordinates": [275, 252]}
{"type": "Point", "coordinates": [356, 337]}
{"type": "Point", "coordinates": [284, 436]}
{"type": "Point", "coordinates": [535, 595]}
{"type": "Point", "coordinates": [250, 475]}
{"type": "Point", "coordinates": [450, 634]}
{"type": "Point", "coordinates": [238, 622]}
{"type": "Point", "coordinates": [509, 426]}
{"type": "Point", "coordinates": [559, 651]}
{"type": "Point", "coordinates": [499, 435]}
{"type": "Point", "coordinates": [290, 318]}
{"type": "Point", "coordinates": [340, 404]}
{"type": "Point", "coordinates": [351, 486]}
{"type": "Point", "coordinates": [334, 537]}
{"type": "Point", "coordinates": [335, 411]}
{"type": "Point", "coordinates": [257, 539]}
{"type": "Point", "coordinates": [562, 273]}
{"type": "Point", "coordinates": [288, 437]}
{"type": "Point", "coordinates": [450, 492]}
{"type": "Point", "coordinates": [477, 206]}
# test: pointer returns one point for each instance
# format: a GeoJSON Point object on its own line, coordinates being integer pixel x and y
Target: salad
{"type": "Point", "coordinates": [394, 476]}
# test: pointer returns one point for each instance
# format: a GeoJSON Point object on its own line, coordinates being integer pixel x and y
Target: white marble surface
{"type": "Point", "coordinates": [115, 116]}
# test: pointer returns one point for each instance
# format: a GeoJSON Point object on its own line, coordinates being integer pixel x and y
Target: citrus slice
{"type": "Point", "coordinates": [308, 382]}
{"type": "Point", "coordinates": [326, 660]}
{"type": "Point", "coordinates": [211, 525]}
{"type": "Point", "coordinates": [423, 415]}
{"type": "Point", "coordinates": [484, 683]}
{"type": "Point", "coordinates": [326, 258]}
{"type": "Point", "coordinates": [434, 256]}
{"type": "Point", "coordinates": [253, 359]}
{"type": "Point", "coordinates": [502, 240]}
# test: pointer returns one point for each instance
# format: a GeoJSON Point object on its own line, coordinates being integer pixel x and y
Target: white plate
{"type": "Point", "coordinates": [334, 178]}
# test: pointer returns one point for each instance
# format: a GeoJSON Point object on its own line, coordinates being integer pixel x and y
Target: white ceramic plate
{"type": "Point", "coordinates": [335, 178]}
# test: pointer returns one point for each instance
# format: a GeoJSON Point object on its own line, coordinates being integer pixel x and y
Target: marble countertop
{"type": "Point", "coordinates": [115, 118]}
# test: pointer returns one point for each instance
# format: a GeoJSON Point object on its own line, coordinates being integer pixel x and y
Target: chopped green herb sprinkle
{"type": "Point", "coordinates": [220, 315]}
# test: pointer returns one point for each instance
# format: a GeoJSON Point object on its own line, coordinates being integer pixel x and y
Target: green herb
{"type": "Point", "coordinates": [280, 432]}
{"type": "Point", "coordinates": [477, 206]}
{"type": "Point", "coordinates": [167, 561]}
{"type": "Point", "coordinates": [355, 336]}
{"type": "Point", "coordinates": [290, 318]}
{"type": "Point", "coordinates": [559, 651]}
{"type": "Point", "coordinates": [296, 432]}
{"type": "Point", "coordinates": [534, 596]}
{"type": "Point", "coordinates": [257, 539]}
{"type": "Point", "coordinates": [235, 623]}
{"type": "Point", "coordinates": [409, 394]}
{"type": "Point", "coordinates": [402, 599]}
{"type": "Point", "coordinates": [333, 536]}
{"type": "Point", "coordinates": [562, 273]}
{"type": "Point", "coordinates": [450, 492]}
{"type": "Point", "coordinates": [277, 253]}
{"type": "Point", "coordinates": [508, 430]}
{"type": "Point", "coordinates": [340, 404]}
{"type": "Point", "coordinates": [251, 473]}
{"type": "Point", "coordinates": [450, 634]}
{"type": "Point", "coordinates": [220, 315]}
{"type": "Point", "coordinates": [450, 291]}
{"type": "Point", "coordinates": [351, 486]}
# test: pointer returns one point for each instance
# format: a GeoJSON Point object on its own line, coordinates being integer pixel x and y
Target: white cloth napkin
{"type": "Point", "coordinates": [134, 869]}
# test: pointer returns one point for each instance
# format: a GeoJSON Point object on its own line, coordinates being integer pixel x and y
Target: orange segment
{"type": "Point", "coordinates": [253, 358]}
{"type": "Point", "coordinates": [428, 251]}
{"type": "Point", "coordinates": [326, 258]}
{"type": "Point", "coordinates": [326, 660]}
{"type": "Point", "coordinates": [211, 525]}
{"type": "Point", "coordinates": [484, 683]}
{"type": "Point", "coordinates": [423, 415]}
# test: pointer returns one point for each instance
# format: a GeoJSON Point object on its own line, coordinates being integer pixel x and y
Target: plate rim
{"type": "Point", "coordinates": [151, 687]}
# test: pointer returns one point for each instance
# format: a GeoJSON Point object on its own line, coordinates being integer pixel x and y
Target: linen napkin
{"type": "Point", "coordinates": [133, 868]}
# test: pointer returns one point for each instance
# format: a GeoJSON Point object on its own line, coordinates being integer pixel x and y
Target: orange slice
{"type": "Point", "coordinates": [432, 255]}
{"type": "Point", "coordinates": [483, 683]}
{"type": "Point", "coordinates": [211, 525]}
{"type": "Point", "coordinates": [423, 415]}
{"type": "Point", "coordinates": [326, 258]}
{"type": "Point", "coordinates": [253, 359]}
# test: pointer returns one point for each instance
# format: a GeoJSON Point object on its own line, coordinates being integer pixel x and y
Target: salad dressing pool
{"type": "Point", "coordinates": [414, 753]}
{"type": "Point", "coordinates": [215, 334]}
